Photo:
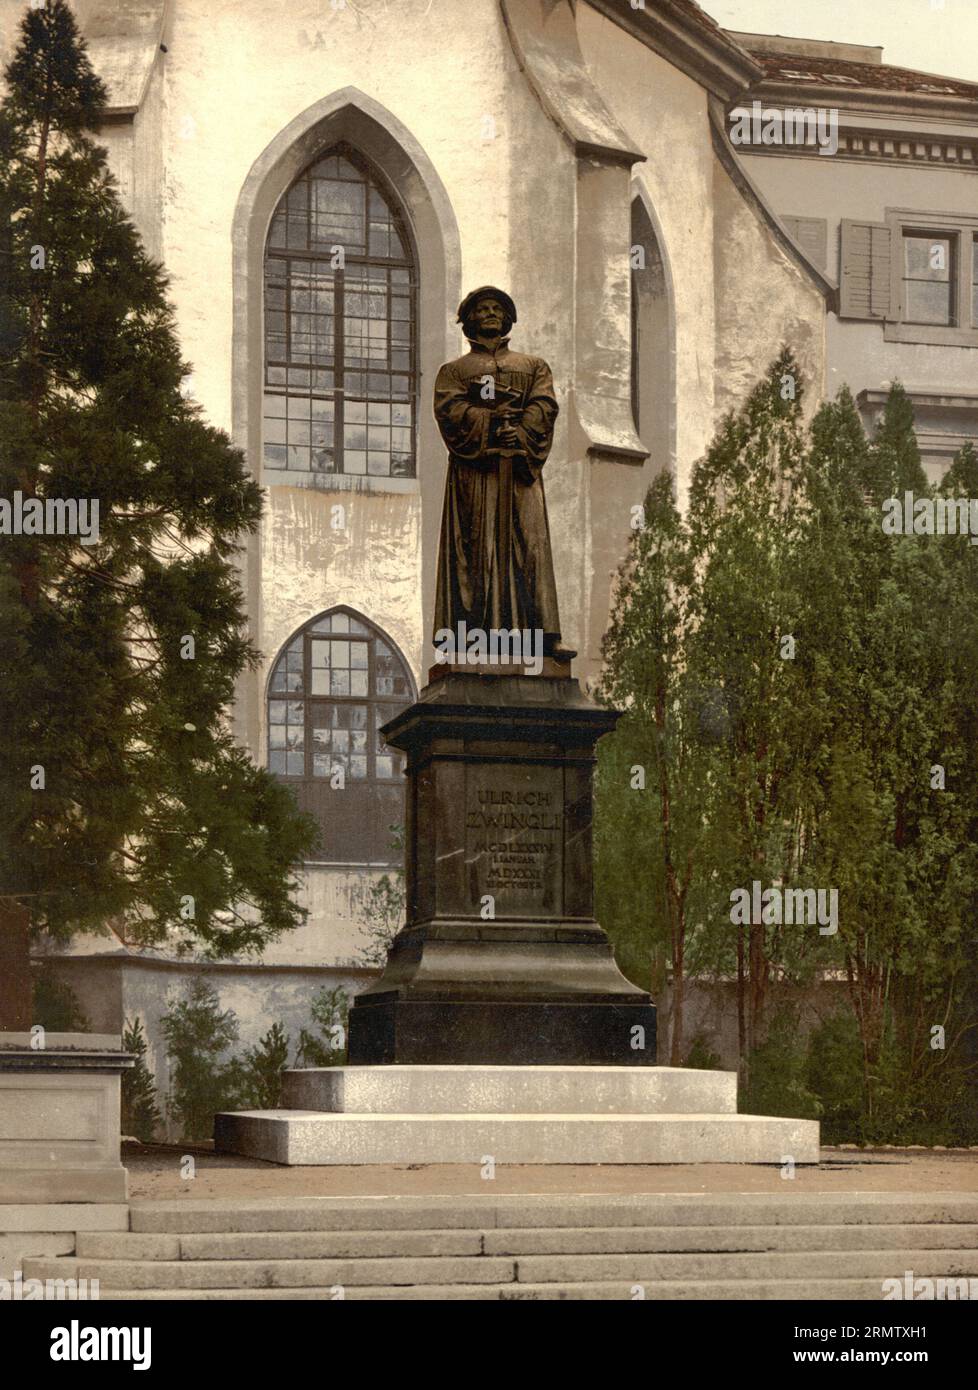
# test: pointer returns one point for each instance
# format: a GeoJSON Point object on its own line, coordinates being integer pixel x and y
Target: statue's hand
{"type": "Point", "coordinates": [507, 436]}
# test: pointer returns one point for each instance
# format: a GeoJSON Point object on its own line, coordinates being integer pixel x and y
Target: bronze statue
{"type": "Point", "coordinates": [496, 410]}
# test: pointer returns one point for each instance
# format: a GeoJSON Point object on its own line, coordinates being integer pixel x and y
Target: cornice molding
{"type": "Point", "coordinates": [923, 398]}
{"type": "Point", "coordinates": [862, 144]}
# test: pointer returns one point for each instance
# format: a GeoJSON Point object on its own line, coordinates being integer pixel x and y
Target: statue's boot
{"type": "Point", "coordinates": [552, 647]}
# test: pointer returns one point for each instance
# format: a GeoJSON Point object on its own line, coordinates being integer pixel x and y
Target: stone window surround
{"type": "Point", "coordinates": [354, 117]}
{"type": "Point", "coordinates": [349, 117]}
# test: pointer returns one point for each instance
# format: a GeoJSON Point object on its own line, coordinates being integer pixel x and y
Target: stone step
{"type": "Point", "coordinates": [490, 1269]}
{"type": "Point", "coordinates": [285, 1245]}
{"type": "Point", "coordinates": [861, 1264]}
{"type": "Point", "coordinates": [741, 1290]}
{"type": "Point", "coordinates": [288, 1274]}
{"type": "Point", "coordinates": [543, 1211]}
{"type": "Point", "coordinates": [448, 1090]}
{"type": "Point", "coordinates": [301, 1137]}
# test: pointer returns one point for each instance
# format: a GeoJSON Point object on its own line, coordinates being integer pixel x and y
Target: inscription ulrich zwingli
{"type": "Point", "coordinates": [515, 861]}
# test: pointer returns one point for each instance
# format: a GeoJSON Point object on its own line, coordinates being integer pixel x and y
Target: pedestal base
{"type": "Point", "coordinates": [59, 1118]}
{"type": "Point", "coordinates": [500, 959]}
{"type": "Point", "coordinates": [515, 1115]}
{"type": "Point", "coordinates": [511, 1033]}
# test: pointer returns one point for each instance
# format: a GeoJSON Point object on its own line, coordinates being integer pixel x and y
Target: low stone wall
{"type": "Point", "coordinates": [60, 1170]}
{"type": "Point", "coordinates": [59, 1117]}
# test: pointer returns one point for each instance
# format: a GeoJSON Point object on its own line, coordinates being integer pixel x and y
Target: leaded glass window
{"type": "Point", "coordinates": [333, 687]}
{"type": "Point", "coordinates": [340, 316]}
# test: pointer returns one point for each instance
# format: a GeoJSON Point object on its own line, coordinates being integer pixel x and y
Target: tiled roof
{"type": "Point", "coordinates": [796, 69]}
{"type": "Point", "coordinates": [692, 11]}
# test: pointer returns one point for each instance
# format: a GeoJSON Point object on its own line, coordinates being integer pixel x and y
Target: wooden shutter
{"type": "Point", "coordinates": [864, 284]}
{"type": "Point", "coordinates": [812, 236]}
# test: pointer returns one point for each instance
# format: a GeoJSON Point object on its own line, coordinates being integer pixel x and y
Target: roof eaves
{"type": "Point", "coordinates": [681, 32]}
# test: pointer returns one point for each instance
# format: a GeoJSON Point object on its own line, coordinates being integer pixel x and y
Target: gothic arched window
{"type": "Point", "coordinates": [335, 683]}
{"type": "Point", "coordinates": [340, 339]}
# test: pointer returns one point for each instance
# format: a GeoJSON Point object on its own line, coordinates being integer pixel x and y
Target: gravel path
{"type": "Point", "coordinates": [155, 1173]}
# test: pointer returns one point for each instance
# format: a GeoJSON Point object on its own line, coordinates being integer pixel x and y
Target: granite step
{"type": "Point", "coordinates": [741, 1290]}
{"type": "Point", "coordinates": [490, 1269]}
{"type": "Point", "coordinates": [311, 1138]}
{"type": "Point", "coordinates": [664, 1211]}
{"type": "Point", "coordinates": [596, 1240]}
{"type": "Point", "coordinates": [442, 1090]}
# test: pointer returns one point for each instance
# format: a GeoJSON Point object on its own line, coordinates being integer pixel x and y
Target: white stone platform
{"type": "Point", "coordinates": [516, 1115]}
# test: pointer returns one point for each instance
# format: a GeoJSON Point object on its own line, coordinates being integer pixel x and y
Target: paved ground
{"type": "Point", "coordinates": [155, 1173]}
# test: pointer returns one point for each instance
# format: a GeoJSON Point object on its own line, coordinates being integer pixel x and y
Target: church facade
{"type": "Point", "coordinates": [323, 182]}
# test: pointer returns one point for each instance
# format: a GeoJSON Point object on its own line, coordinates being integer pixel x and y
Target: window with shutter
{"type": "Point", "coordinates": [812, 236]}
{"type": "Point", "coordinates": [864, 282]}
{"type": "Point", "coordinates": [932, 278]}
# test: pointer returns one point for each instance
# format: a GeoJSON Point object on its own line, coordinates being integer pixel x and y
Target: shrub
{"type": "Point", "coordinates": [330, 1011]}
{"type": "Point", "coordinates": [55, 1004]}
{"type": "Point", "coordinates": [140, 1113]}
{"type": "Point", "coordinates": [262, 1081]}
{"type": "Point", "coordinates": [776, 1079]}
{"type": "Point", "coordinates": [204, 1079]}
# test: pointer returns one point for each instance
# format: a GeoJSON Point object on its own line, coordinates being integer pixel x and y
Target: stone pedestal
{"type": "Point", "coordinates": [500, 960]}
{"type": "Point", "coordinates": [518, 1115]}
{"type": "Point", "coordinates": [59, 1118]}
{"type": "Point", "coordinates": [501, 1025]}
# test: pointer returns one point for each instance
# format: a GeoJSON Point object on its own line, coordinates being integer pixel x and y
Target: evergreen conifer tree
{"type": "Point", "coordinates": [123, 792]}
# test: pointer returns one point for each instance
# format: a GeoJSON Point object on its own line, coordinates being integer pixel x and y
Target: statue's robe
{"type": "Point", "coordinates": [473, 586]}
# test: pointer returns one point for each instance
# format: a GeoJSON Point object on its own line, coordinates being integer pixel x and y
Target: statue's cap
{"type": "Point", "coordinates": [483, 292]}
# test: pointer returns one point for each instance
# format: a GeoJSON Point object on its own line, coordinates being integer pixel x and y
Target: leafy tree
{"type": "Point", "coordinates": [140, 1112]}
{"type": "Point", "coordinates": [801, 684]}
{"type": "Point", "coordinates": [894, 844]}
{"type": "Point", "coordinates": [745, 518]}
{"type": "Point", "coordinates": [650, 764]}
{"type": "Point", "coordinates": [124, 793]}
{"type": "Point", "coordinates": [696, 655]}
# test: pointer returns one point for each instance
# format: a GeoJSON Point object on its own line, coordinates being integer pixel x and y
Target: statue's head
{"type": "Point", "coordinates": [487, 312]}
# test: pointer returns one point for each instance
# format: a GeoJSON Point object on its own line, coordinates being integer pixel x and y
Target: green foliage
{"type": "Point", "coordinates": [204, 1078]}
{"type": "Point", "coordinates": [148, 802]}
{"type": "Point", "coordinates": [262, 1076]}
{"type": "Point", "coordinates": [777, 1072]}
{"type": "Point", "coordinates": [55, 1007]}
{"type": "Point", "coordinates": [793, 679]}
{"type": "Point", "coordinates": [701, 1055]}
{"type": "Point", "coordinates": [834, 1073]}
{"type": "Point", "coordinates": [207, 1076]}
{"type": "Point", "coordinates": [140, 1112]}
{"type": "Point", "coordinates": [327, 1047]}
